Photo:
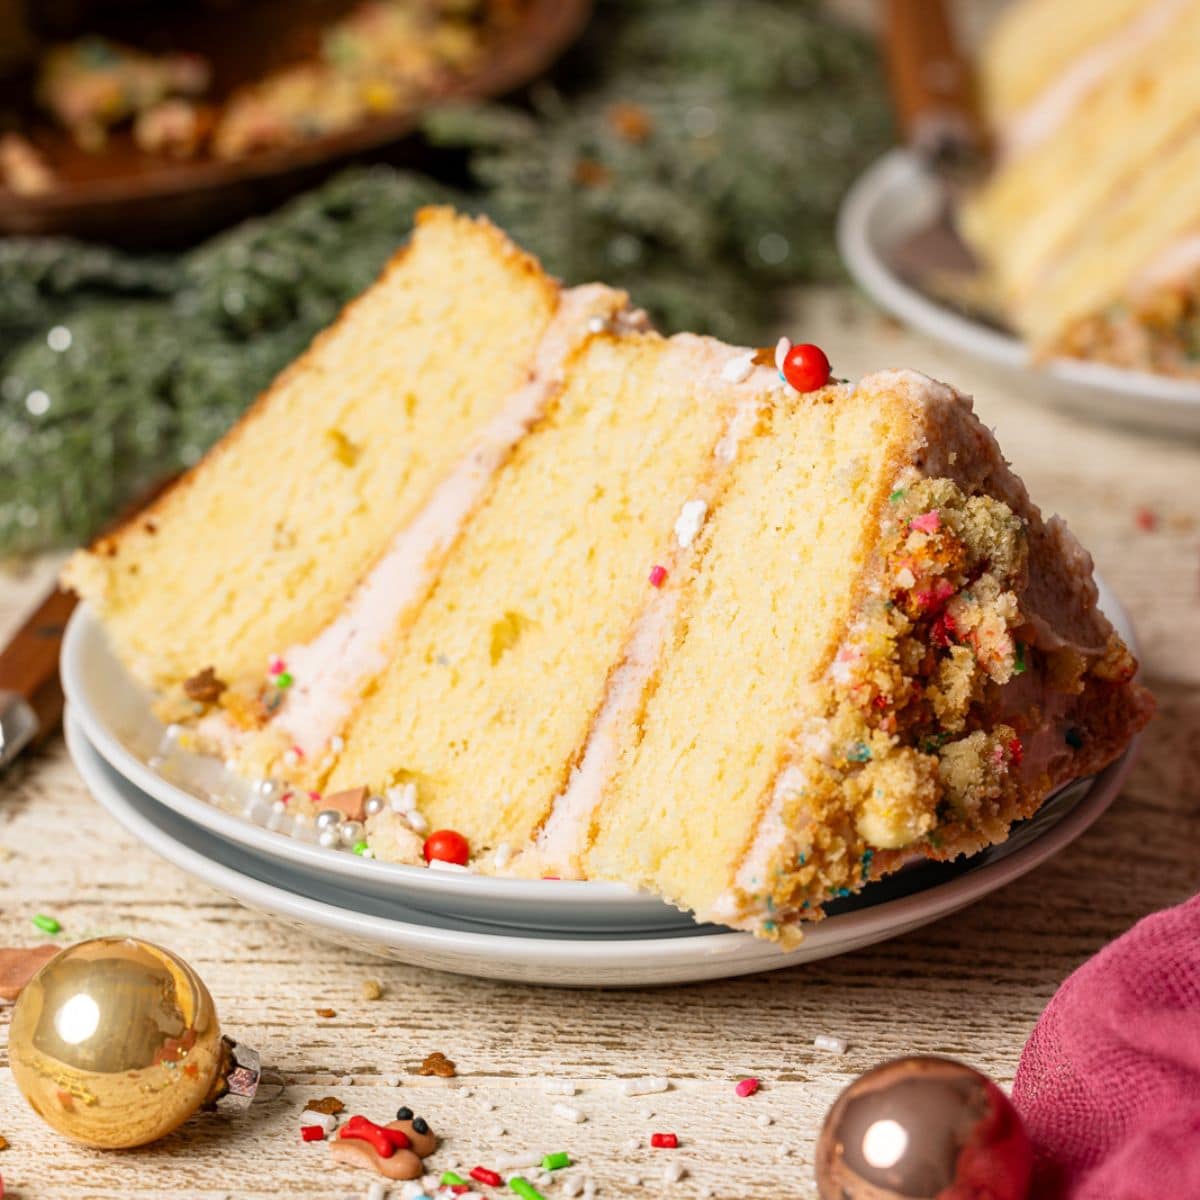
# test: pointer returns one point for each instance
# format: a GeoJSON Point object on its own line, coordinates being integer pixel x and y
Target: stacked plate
{"type": "Point", "coordinates": [191, 811]}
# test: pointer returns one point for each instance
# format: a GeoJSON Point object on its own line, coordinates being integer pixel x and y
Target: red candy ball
{"type": "Point", "coordinates": [923, 1129]}
{"type": "Point", "coordinates": [806, 368]}
{"type": "Point", "coordinates": [447, 846]}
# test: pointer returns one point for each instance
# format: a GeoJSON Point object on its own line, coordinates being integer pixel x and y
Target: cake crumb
{"type": "Point", "coordinates": [326, 1012]}
{"type": "Point", "coordinates": [3, 1142]}
{"type": "Point", "coordinates": [437, 1064]}
{"type": "Point", "coordinates": [370, 989]}
{"type": "Point", "coordinates": [204, 687]}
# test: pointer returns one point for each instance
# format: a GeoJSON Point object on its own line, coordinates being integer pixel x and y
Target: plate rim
{"type": "Point", "coordinates": [434, 888]}
{"type": "Point", "coordinates": [899, 169]}
{"type": "Point", "coordinates": [739, 951]}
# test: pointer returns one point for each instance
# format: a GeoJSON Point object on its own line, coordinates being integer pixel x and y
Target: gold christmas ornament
{"type": "Point", "coordinates": [115, 1043]}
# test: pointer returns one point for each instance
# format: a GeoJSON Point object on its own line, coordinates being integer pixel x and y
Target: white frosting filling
{"type": "Point", "coordinates": [1176, 264]}
{"type": "Point", "coordinates": [330, 670]}
{"type": "Point", "coordinates": [1040, 119]}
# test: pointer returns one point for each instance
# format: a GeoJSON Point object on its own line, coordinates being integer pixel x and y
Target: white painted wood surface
{"type": "Point", "coordinates": [970, 986]}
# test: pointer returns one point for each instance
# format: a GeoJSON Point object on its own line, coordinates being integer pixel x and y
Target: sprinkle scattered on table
{"type": "Point", "coordinates": [437, 1064]}
{"type": "Point", "coordinates": [835, 1045]}
{"type": "Point", "coordinates": [326, 1012]}
{"type": "Point", "coordinates": [746, 1087]}
{"type": "Point", "coordinates": [47, 924]}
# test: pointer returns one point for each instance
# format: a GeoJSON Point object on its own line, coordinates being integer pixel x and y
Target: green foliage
{"type": "Point", "coordinates": [693, 153]}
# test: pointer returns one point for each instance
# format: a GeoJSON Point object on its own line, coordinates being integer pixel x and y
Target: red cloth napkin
{"type": "Point", "coordinates": [1109, 1083]}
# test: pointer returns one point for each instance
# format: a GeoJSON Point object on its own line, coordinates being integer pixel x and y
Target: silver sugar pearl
{"type": "Point", "coordinates": [269, 789]}
{"type": "Point", "coordinates": [374, 804]}
{"type": "Point", "coordinates": [329, 839]}
{"type": "Point", "coordinates": [328, 818]}
{"type": "Point", "coordinates": [351, 832]}
{"type": "Point", "coordinates": [279, 807]}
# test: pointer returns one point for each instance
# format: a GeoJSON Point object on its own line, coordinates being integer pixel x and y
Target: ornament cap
{"type": "Point", "coordinates": [241, 1073]}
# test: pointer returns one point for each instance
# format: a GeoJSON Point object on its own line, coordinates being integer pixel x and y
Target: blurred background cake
{"type": "Point", "coordinates": [1089, 225]}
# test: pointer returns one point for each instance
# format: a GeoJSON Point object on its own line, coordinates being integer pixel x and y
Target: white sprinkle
{"type": "Point", "coordinates": [737, 370]}
{"type": "Point", "coordinates": [690, 521]}
{"type": "Point", "coordinates": [597, 324]}
{"type": "Point", "coordinates": [173, 731]}
{"type": "Point", "coordinates": [633, 1181]}
{"type": "Point", "coordinates": [337, 743]}
{"type": "Point", "coordinates": [558, 1087]}
{"type": "Point", "coordinates": [411, 1190]}
{"type": "Point", "coordinates": [644, 1087]}
{"type": "Point", "coordinates": [377, 1191]}
{"type": "Point", "coordinates": [464, 1091]}
{"type": "Point", "coordinates": [765, 1119]}
{"type": "Point", "coordinates": [346, 1081]}
{"type": "Point", "coordinates": [327, 1121]}
{"type": "Point", "coordinates": [905, 578]}
{"type": "Point", "coordinates": [589, 1189]}
{"type": "Point", "coordinates": [518, 1162]}
{"type": "Point", "coordinates": [503, 856]}
{"type": "Point", "coordinates": [647, 1114]}
{"type": "Point", "coordinates": [781, 349]}
{"type": "Point", "coordinates": [487, 1106]}
{"type": "Point", "coordinates": [431, 1183]}
{"type": "Point", "coordinates": [291, 758]}
{"type": "Point", "coordinates": [572, 1185]}
{"type": "Point", "coordinates": [416, 822]}
{"type": "Point", "coordinates": [673, 1172]}
{"type": "Point", "coordinates": [497, 1131]}
{"type": "Point", "coordinates": [835, 1045]}
{"type": "Point", "coordinates": [565, 1112]}
{"type": "Point", "coordinates": [633, 1144]}
{"type": "Point", "coordinates": [784, 1151]}
{"type": "Point", "coordinates": [393, 1080]}
{"type": "Point", "coordinates": [705, 1192]}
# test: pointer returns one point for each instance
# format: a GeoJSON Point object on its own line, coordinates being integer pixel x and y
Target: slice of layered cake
{"type": "Point", "coordinates": [662, 611]}
{"type": "Point", "coordinates": [1089, 226]}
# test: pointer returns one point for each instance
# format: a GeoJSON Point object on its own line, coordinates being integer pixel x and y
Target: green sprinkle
{"type": "Point", "coordinates": [47, 924]}
{"type": "Point", "coordinates": [284, 680]}
{"type": "Point", "coordinates": [897, 496]}
{"type": "Point", "coordinates": [1019, 659]}
{"type": "Point", "coordinates": [801, 859]}
{"type": "Point", "coordinates": [523, 1188]}
{"type": "Point", "coordinates": [1074, 739]}
{"type": "Point", "coordinates": [360, 847]}
{"type": "Point", "coordinates": [840, 892]}
{"type": "Point", "coordinates": [553, 1162]}
{"type": "Point", "coordinates": [768, 926]}
{"type": "Point", "coordinates": [449, 1179]}
{"type": "Point", "coordinates": [859, 752]}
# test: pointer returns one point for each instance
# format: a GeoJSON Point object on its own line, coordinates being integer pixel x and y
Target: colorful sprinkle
{"type": "Point", "coordinates": [805, 367]}
{"type": "Point", "coordinates": [525, 1189]}
{"type": "Point", "coordinates": [556, 1161]}
{"type": "Point", "coordinates": [47, 924]}
{"type": "Point", "coordinates": [483, 1175]}
{"type": "Point", "coordinates": [1146, 519]}
{"type": "Point", "coordinates": [448, 846]}
{"type": "Point", "coordinates": [1019, 659]}
{"type": "Point", "coordinates": [658, 576]}
{"type": "Point", "coordinates": [449, 1179]}
{"type": "Point", "coordinates": [276, 666]}
{"type": "Point", "coordinates": [1016, 751]}
{"type": "Point", "coordinates": [929, 522]}
{"type": "Point", "coordinates": [360, 848]}
{"type": "Point", "coordinates": [284, 680]}
{"type": "Point", "coordinates": [859, 752]}
{"type": "Point", "coordinates": [866, 863]}
{"type": "Point", "coordinates": [664, 1141]}
{"type": "Point", "coordinates": [312, 1133]}
{"type": "Point", "coordinates": [896, 496]}
{"type": "Point", "coordinates": [746, 1087]}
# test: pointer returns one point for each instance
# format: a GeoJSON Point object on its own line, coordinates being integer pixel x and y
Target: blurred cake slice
{"type": "Point", "coordinates": [1089, 226]}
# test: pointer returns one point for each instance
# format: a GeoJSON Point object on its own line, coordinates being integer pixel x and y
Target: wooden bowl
{"type": "Point", "coordinates": [128, 197]}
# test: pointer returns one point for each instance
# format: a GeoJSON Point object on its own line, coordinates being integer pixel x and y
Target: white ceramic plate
{"type": "Point", "coordinates": [392, 930]}
{"type": "Point", "coordinates": [898, 196]}
{"type": "Point", "coordinates": [114, 713]}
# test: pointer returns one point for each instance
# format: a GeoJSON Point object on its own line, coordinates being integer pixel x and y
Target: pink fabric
{"type": "Point", "coordinates": [1109, 1083]}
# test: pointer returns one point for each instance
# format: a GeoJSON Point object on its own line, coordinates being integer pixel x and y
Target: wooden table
{"type": "Point", "coordinates": [970, 986]}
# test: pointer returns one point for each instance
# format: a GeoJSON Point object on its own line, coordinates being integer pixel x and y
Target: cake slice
{"type": "Point", "coordinates": [608, 605]}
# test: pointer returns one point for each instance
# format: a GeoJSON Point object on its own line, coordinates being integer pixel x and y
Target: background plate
{"type": "Point", "coordinates": [391, 930]}
{"type": "Point", "coordinates": [896, 198]}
